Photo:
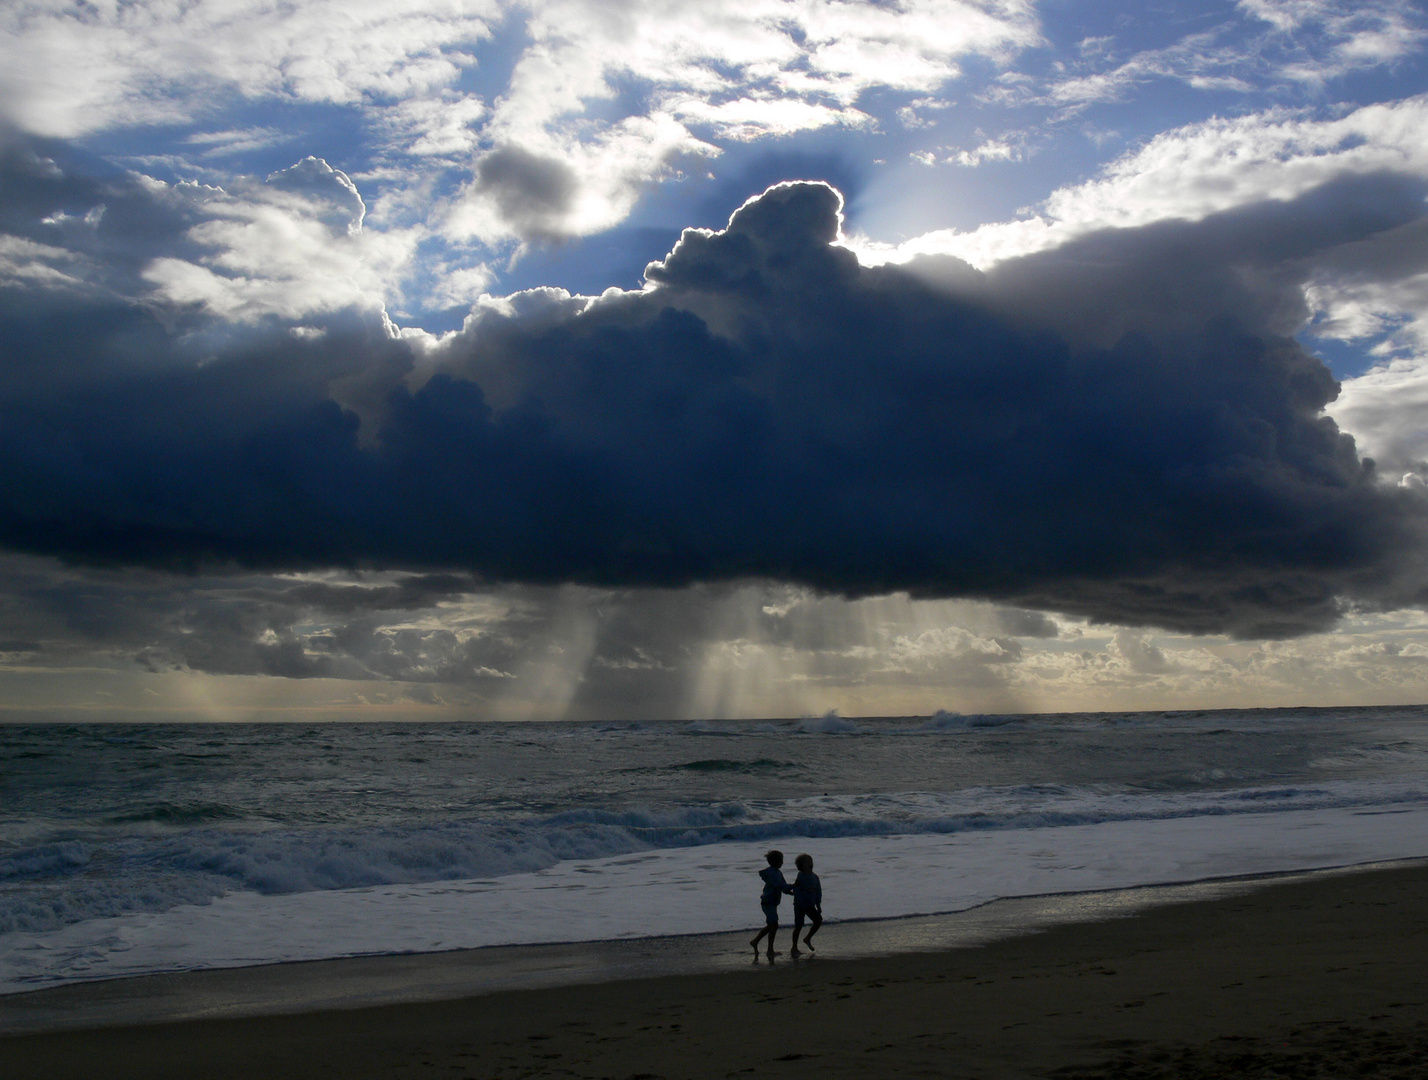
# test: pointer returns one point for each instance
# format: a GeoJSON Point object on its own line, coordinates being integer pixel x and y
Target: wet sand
{"type": "Point", "coordinates": [1325, 976]}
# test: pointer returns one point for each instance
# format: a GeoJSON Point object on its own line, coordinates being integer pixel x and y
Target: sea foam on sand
{"type": "Point", "coordinates": [706, 889]}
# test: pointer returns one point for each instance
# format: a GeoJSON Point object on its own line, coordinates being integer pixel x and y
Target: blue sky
{"type": "Point", "coordinates": [252, 257]}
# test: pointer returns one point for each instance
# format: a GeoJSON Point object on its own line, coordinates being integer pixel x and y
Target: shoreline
{"type": "Point", "coordinates": [367, 981]}
{"type": "Point", "coordinates": [1316, 974]}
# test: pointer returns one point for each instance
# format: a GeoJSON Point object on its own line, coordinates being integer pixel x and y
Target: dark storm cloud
{"type": "Point", "coordinates": [1119, 428]}
{"type": "Point", "coordinates": [1170, 280]}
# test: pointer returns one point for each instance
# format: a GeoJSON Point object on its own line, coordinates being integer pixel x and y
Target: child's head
{"type": "Point", "coordinates": [804, 863]}
{"type": "Point", "coordinates": [775, 858]}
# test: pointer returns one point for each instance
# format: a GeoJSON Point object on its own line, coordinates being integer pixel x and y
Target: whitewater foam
{"type": "Point", "coordinates": [705, 889]}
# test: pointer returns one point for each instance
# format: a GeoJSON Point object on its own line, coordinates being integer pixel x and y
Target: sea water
{"type": "Point", "coordinates": [127, 849]}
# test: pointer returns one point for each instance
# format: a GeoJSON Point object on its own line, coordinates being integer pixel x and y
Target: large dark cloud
{"type": "Point", "coordinates": [1120, 428]}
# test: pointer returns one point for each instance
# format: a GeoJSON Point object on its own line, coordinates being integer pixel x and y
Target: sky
{"type": "Point", "coordinates": [577, 359]}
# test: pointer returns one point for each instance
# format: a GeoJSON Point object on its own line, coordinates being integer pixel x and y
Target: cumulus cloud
{"type": "Point", "coordinates": [1120, 428]}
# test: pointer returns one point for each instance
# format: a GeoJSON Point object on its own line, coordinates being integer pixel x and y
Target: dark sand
{"type": "Point", "coordinates": [1309, 977]}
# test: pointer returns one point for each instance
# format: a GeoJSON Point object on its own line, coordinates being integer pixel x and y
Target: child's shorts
{"type": "Point", "coordinates": [812, 914]}
{"type": "Point", "coordinates": [770, 913]}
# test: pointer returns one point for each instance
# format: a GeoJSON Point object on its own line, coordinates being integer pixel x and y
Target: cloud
{"type": "Point", "coordinates": [1309, 43]}
{"type": "Point", "coordinates": [1332, 38]}
{"type": "Point", "coordinates": [618, 99]}
{"type": "Point", "coordinates": [1200, 60]}
{"type": "Point", "coordinates": [1193, 171]}
{"type": "Point", "coordinates": [290, 246]}
{"type": "Point", "coordinates": [1385, 407]}
{"type": "Point", "coordinates": [343, 642]}
{"type": "Point", "coordinates": [1010, 147]}
{"type": "Point", "coordinates": [531, 192]}
{"type": "Point", "coordinates": [1375, 292]}
{"type": "Point", "coordinates": [1120, 428]}
{"type": "Point", "coordinates": [1140, 654]}
{"type": "Point", "coordinates": [1370, 289]}
{"type": "Point", "coordinates": [615, 96]}
{"type": "Point", "coordinates": [68, 71]}
{"type": "Point", "coordinates": [237, 141]}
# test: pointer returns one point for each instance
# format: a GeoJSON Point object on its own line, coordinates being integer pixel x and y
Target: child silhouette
{"type": "Point", "coordinates": [774, 888]}
{"type": "Point", "coordinates": [807, 902]}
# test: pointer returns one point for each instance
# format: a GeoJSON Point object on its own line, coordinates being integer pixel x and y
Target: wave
{"type": "Point", "coordinates": [167, 813]}
{"type": "Point", "coordinates": [50, 884]}
{"type": "Point", "coordinates": [707, 727]}
{"type": "Point", "coordinates": [829, 723]}
{"type": "Point", "coordinates": [721, 765]}
{"type": "Point", "coordinates": [939, 723]}
{"type": "Point", "coordinates": [942, 721]}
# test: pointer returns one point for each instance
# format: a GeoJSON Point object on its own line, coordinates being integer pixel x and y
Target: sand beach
{"type": "Point", "coordinates": [1310, 975]}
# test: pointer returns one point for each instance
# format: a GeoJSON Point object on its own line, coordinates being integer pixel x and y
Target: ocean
{"type": "Point", "coordinates": [131, 849]}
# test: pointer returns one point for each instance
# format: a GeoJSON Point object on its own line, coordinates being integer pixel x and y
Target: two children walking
{"type": "Point", "coordinates": [807, 894]}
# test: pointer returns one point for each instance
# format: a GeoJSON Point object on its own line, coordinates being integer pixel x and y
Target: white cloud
{"type": "Point", "coordinates": [909, 117]}
{"type": "Point", "coordinates": [617, 92]}
{"type": "Point", "coordinates": [1201, 60]}
{"type": "Point", "coordinates": [71, 69]}
{"type": "Point", "coordinates": [1308, 42]}
{"type": "Point", "coordinates": [736, 71]}
{"type": "Point", "coordinates": [1375, 292]}
{"type": "Point", "coordinates": [291, 247]}
{"type": "Point", "coordinates": [1007, 148]}
{"type": "Point", "coordinates": [237, 141]}
{"type": "Point", "coordinates": [745, 119]}
{"type": "Point", "coordinates": [1387, 411]}
{"type": "Point", "coordinates": [1335, 38]}
{"type": "Point", "coordinates": [26, 262]}
{"type": "Point", "coordinates": [1193, 171]}
{"type": "Point", "coordinates": [551, 186]}
{"type": "Point", "coordinates": [444, 124]}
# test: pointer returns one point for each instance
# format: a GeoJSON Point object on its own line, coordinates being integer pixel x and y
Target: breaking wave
{"type": "Point", "coordinates": [47, 885]}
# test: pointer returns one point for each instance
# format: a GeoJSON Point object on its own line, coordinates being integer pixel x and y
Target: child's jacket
{"type": "Point", "coordinates": [807, 890]}
{"type": "Point", "coordinates": [774, 885]}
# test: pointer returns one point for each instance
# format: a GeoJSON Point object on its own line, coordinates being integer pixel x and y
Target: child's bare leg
{"type": "Point", "coordinates": [758, 938]}
{"type": "Point", "coordinates": [797, 926]}
{"type": "Point", "coordinates": [815, 919]}
{"type": "Point", "coordinates": [773, 933]}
